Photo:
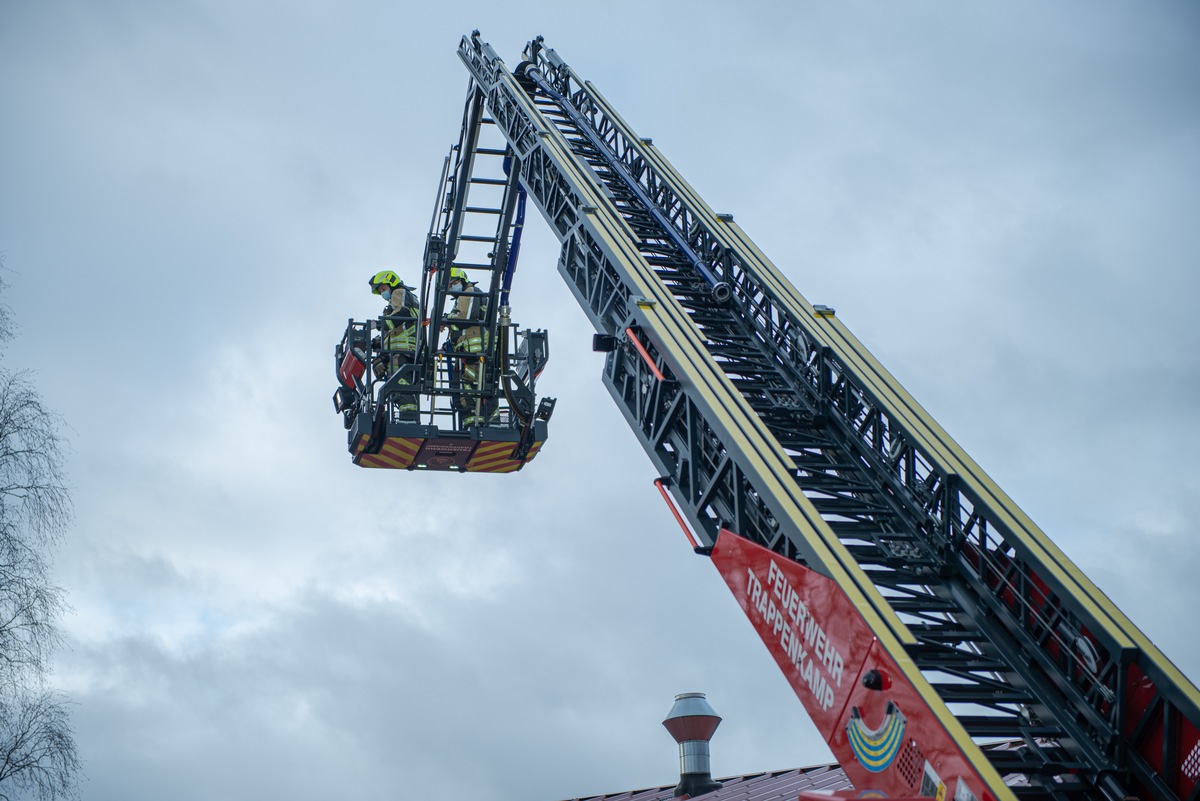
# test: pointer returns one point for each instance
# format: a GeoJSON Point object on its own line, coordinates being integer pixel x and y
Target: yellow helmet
{"type": "Point", "coordinates": [458, 274]}
{"type": "Point", "coordinates": [383, 279]}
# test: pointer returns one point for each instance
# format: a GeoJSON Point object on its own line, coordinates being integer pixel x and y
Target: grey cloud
{"type": "Point", "coordinates": [995, 200]}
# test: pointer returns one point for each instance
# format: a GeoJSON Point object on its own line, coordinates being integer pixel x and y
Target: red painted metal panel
{"type": "Point", "coordinates": [1147, 717]}
{"type": "Point", "coordinates": [351, 368]}
{"type": "Point", "coordinates": [888, 740]}
{"type": "Point", "coordinates": [815, 635]}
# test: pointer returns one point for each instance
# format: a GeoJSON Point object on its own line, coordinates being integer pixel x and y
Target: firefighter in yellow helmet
{"type": "Point", "coordinates": [398, 340]}
{"type": "Point", "coordinates": [471, 338]}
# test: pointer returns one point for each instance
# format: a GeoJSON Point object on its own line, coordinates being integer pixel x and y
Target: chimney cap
{"type": "Point", "coordinates": [691, 718]}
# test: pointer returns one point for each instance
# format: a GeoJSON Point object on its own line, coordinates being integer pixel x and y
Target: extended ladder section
{"type": "Point", "coordinates": [475, 233]}
{"type": "Point", "coordinates": [998, 668]}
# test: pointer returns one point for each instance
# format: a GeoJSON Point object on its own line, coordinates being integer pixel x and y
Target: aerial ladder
{"type": "Point", "coordinates": [941, 643]}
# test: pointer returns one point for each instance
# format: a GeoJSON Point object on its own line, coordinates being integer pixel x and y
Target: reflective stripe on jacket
{"type": "Point", "coordinates": [472, 340]}
{"type": "Point", "coordinates": [400, 322]}
{"type": "Point", "coordinates": [401, 334]}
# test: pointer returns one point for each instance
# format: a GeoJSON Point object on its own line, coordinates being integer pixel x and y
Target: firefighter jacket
{"type": "Point", "coordinates": [400, 321]}
{"type": "Point", "coordinates": [469, 338]}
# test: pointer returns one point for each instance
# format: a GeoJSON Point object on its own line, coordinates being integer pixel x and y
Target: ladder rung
{"type": "Point", "coordinates": [974, 693]}
{"type": "Point", "coordinates": [476, 238]}
{"type": "Point", "coordinates": [481, 210]}
{"type": "Point", "coordinates": [1000, 726]}
{"type": "Point", "coordinates": [489, 181]}
{"type": "Point", "coordinates": [467, 266]}
{"type": "Point", "coordinates": [491, 151]}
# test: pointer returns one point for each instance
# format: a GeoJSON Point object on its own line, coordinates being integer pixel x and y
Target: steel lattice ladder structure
{"type": "Point", "coordinates": [769, 420]}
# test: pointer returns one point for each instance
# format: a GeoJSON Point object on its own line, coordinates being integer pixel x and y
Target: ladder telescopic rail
{"type": "Point", "coordinates": [774, 422]}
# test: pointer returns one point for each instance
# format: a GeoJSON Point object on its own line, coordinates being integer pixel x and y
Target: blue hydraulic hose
{"type": "Point", "coordinates": [515, 248]}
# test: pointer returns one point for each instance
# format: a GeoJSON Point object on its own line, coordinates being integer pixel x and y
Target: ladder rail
{"type": "Point", "coordinates": [871, 457]}
{"type": "Point", "coordinates": [457, 239]}
{"type": "Point", "coordinates": [984, 500]}
{"type": "Point", "coordinates": [608, 132]}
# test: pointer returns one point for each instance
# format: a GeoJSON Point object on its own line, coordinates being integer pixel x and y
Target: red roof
{"type": "Point", "coordinates": [780, 784]}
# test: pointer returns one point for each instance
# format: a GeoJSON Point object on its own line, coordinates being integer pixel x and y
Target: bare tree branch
{"type": "Point", "coordinates": [35, 508]}
{"type": "Point", "coordinates": [37, 747]}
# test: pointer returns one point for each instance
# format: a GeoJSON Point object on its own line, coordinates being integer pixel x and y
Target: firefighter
{"type": "Point", "coordinates": [398, 343]}
{"type": "Point", "coordinates": [471, 339]}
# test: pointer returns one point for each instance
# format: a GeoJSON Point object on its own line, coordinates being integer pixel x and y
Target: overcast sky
{"type": "Point", "coordinates": [1001, 200]}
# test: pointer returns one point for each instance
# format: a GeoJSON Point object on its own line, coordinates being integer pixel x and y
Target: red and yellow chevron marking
{"type": "Point", "coordinates": [396, 453]}
{"type": "Point", "coordinates": [493, 457]}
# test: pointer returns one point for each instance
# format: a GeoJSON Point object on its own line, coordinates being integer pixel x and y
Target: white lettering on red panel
{"type": "Point", "coordinates": [815, 655]}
